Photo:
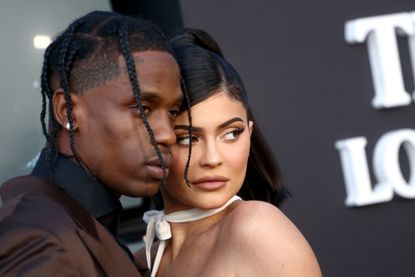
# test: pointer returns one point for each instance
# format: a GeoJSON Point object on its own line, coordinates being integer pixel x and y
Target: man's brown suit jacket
{"type": "Point", "coordinates": [45, 232]}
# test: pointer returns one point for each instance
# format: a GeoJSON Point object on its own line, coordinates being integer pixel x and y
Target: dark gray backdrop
{"type": "Point", "coordinates": [309, 88]}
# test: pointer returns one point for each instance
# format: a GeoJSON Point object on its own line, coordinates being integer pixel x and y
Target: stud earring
{"type": "Point", "coordinates": [67, 126]}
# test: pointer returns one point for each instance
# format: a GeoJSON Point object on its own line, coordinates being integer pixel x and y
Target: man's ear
{"type": "Point", "coordinates": [60, 110]}
{"type": "Point", "coordinates": [250, 127]}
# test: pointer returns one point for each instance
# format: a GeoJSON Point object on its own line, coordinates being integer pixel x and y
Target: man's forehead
{"type": "Point", "coordinates": [158, 76]}
{"type": "Point", "coordinates": [148, 56]}
{"type": "Point", "coordinates": [103, 68]}
{"type": "Point", "coordinates": [173, 98]}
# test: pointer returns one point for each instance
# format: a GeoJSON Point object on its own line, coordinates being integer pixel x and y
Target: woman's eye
{"type": "Point", "coordinates": [185, 140]}
{"type": "Point", "coordinates": [233, 135]}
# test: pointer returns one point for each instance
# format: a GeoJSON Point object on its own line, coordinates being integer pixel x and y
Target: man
{"type": "Point", "coordinates": [113, 90]}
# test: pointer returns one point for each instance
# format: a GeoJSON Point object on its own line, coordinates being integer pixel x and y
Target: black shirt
{"type": "Point", "coordinates": [96, 198]}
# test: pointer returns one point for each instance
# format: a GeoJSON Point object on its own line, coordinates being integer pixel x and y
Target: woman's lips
{"type": "Point", "coordinates": [210, 183]}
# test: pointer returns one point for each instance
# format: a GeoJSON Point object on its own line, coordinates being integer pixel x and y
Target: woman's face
{"type": "Point", "coordinates": [220, 149]}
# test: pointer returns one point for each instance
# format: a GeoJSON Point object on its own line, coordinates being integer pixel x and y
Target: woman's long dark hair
{"type": "Point", "coordinates": [206, 72]}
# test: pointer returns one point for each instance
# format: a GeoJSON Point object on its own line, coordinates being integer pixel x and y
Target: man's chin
{"type": "Point", "coordinates": [146, 190]}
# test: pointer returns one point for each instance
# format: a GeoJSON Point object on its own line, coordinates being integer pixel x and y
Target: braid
{"type": "Point", "coordinates": [126, 51]}
{"type": "Point", "coordinates": [45, 91]}
{"type": "Point", "coordinates": [186, 169]}
{"type": "Point", "coordinates": [64, 63]}
{"type": "Point", "coordinates": [69, 58]}
{"type": "Point", "coordinates": [46, 94]}
{"type": "Point", "coordinates": [86, 55]}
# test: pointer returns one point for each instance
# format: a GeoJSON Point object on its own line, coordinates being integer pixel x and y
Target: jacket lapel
{"type": "Point", "coordinates": [111, 257]}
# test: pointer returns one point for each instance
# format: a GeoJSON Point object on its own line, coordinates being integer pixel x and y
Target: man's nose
{"type": "Point", "coordinates": [163, 130]}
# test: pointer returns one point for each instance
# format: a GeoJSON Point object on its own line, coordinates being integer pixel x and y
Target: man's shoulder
{"type": "Point", "coordinates": [30, 208]}
{"type": "Point", "coordinates": [38, 234]}
{"type": "Point", "coordinates": [31, 228]}
{"type": "Point", "coordinates": [20, 185]}
{"type": "Point", "coordinates": [34, 210]}
{"type": "Point", "coordinates": [33, 251]}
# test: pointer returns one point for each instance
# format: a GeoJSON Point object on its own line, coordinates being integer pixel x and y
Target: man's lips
{"type": "Point", "coordinates": [154, 166]}
{"type": "Point", "coordinates": [155, 161]}
{"type": "Point", "coordinates": [157, 172]}
{"type": "Point", "coordinates": [210, 183]}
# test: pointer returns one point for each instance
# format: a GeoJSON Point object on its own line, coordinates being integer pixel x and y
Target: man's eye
{"type": "Point", "coordinates": [136, 108]}
{"type": "Point", "coordinates": [146, 110]}
{"type": "Point", "coordinates": [186, 139]}
{"type": "Point", "coordinates": [174, 113]}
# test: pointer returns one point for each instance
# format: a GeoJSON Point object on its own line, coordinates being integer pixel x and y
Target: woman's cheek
{"type": "Point", "coordinates": [180, 156]}
{"type": "Point", "coordinates": [239, 157]}
{"type": "Point", "coordinates": [241, 148]}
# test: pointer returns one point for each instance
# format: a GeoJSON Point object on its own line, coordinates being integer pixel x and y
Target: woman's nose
{"type": "Point", "coordinates": [211, 156]}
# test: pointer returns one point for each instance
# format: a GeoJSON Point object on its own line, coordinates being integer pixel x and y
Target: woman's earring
{"type": "Point", "coordinates": [68, 126]}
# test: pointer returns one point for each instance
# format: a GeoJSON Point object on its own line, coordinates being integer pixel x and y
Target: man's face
{"type": "Point", "coordinates": [111, 138]}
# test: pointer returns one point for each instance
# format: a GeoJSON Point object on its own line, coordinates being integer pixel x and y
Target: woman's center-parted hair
{"type": "Point", "coordinates": [84, 56]}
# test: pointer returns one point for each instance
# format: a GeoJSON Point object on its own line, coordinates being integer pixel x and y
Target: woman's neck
{"type": "Point", "coordinates": [188, 232]}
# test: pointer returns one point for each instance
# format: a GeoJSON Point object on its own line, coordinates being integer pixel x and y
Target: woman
{"type": "Point", "coordinates": [205, 229]}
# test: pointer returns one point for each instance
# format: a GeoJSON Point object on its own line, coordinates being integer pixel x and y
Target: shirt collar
{"type": "Point", "coordinates": [88, 191]}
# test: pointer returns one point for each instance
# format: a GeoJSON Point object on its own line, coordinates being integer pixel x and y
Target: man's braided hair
{"type": "Point", "coordinates": [85, 55]}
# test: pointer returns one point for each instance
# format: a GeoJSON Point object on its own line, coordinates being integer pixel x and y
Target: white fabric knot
{"type": "Point", "coordinates": [156, 226]}
{"type": "Point", "coordinates": [160, 225]}
{"type": "Point", "coordinates": [163, 231]}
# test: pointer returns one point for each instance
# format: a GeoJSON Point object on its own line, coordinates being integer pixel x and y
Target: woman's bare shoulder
{"type": "Point", "coordinates": [253, 207]}
{"type": "Point", "coordinates": [257, 220]}
{"type": "Point", "coordinates": [266, 241]}
{"type": "Point", "coordinates": [246, 215]}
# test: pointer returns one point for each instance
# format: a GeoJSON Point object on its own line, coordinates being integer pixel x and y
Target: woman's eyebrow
{"type": "Point", "coordinates": [222, 125]}
{"type": "Point", "coordinates": [186, 127]}
{"type": "Point", "coordinates": [230, 121]}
